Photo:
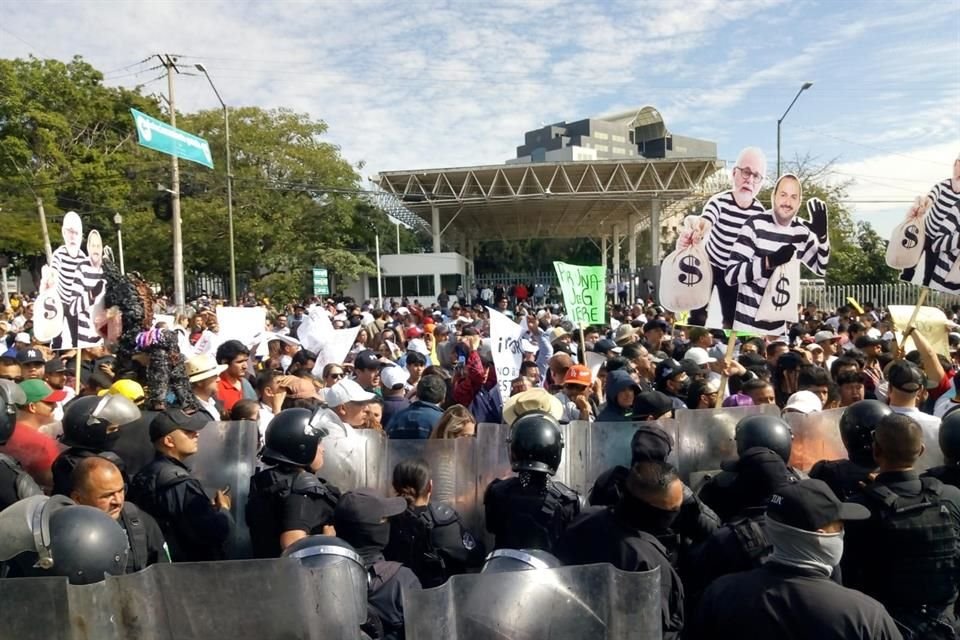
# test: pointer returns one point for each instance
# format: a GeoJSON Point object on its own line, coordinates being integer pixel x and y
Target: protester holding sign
{"type": "Point", "coordinates": [764, 260]}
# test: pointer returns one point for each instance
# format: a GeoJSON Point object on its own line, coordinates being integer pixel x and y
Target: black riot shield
{"type": "Point", "coordinates": [227, 457]}
{"type": "Point", "coordinates": [593, 602]}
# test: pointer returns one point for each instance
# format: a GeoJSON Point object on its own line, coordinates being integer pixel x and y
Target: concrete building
{"type": "Point", "coordinates": [638, 133]}
{"type": "Point", "coordinates": [417, 276]}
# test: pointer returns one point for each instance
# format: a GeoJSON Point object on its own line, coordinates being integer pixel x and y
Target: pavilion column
{"type": "Point", "coordinates": [435, 227]}
{"type": "Point", "coordinates": [633, 221]}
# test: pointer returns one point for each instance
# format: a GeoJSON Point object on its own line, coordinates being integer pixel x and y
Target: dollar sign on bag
{"type": "Point", "coordinates": [49, 309]}
{"type": "Point", "coordinates": [910, 234]}
{"type": "Point", "coordinates": [782, 293]}
{"type": "Point", "coordinates": [690, 266]}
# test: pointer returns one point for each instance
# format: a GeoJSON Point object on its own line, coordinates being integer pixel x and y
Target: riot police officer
{"type": "Point", "coordinates": [531, 511]}
{"type": "Point", "coordinates": [91, 426]}
{"type": "Point", "coordinates": [628, 535]}
{"type": "Point", "coordinates": [429, 537]}
{"type": "Point", "coordinates": [848, 477]}
{"type": "Point", "coordinates": [906, 554]}
{"type": "Point", "coordinates": [696, 521]}
{"type": "Point", "coordinates": [949, 438]}
{"type": "Point", "coordinates": [287, 500]}
{"type": "Point", "coordinates": [195, 526]}
{"type": "Point", "coordinates": [15, 482]}
{"type": "Point", "coordinates": [41, 536]}
{"type": "Point", "coordinates": [721, 493]}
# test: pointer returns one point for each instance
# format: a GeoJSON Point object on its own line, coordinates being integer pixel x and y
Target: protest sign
{"type": "Point", "coordinates": [71, 286]}
{"type": "Point", "coordinates": [334, 348]}
{"type": "Point", "coordinates": [686, 277]}
{"type": "Point", "coordinates": [506, 348]}
{"type": "Point", "coordinates": [241, 323]}
{"type": "Point", "coordinates": [595, 361]}
{"type": "Point", "coordinates": [584, 295]}
{"type": "Point", "coordinates": [930, 321]}
{"type": "Point", "coordinates": [926, 245]}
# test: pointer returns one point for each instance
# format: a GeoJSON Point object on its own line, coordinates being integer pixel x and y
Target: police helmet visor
{"type": "Point", "coordinates": [115, 409]}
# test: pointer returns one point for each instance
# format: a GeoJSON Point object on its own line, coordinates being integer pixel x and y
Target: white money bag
{"type": "Point", "coordinates": [686, 277]}
{"type": "Point", "coordinates": [780, 295]}
{"type": "Point", "coordinates": [906, 242]}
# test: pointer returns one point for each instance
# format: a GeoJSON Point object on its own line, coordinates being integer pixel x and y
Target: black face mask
{"type": "Point", "coordinates": [683, 389]}
{"type": "Point", "coordinates": [110, 440]}
{"type": "Point", "coordinates": [645, 517]}
{"type": "Point", "coordinates": [368, 539]}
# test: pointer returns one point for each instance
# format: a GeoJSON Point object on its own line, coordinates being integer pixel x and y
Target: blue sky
{"type": "Point", "coordinates": [421, 84]}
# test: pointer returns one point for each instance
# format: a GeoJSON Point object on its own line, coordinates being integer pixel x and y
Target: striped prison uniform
{"type": "Point", "coordinates": [726, 218]}
{"type": "Point", "coordinates": [759, 237]}
{"type": "Point", "coordinates": [942, 229]}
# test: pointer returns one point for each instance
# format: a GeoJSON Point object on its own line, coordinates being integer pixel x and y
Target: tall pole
{"type": "Point", "coordinates": [118, 220]}
{"type": "Point", "coordinates": [803, 87]}
{"type": "Point", "coordinates": [233, 262]}
{"type": "Point", "coordinates": [179, 297]}
{"type": "Point", "coordinates": [379, 278]}
{"type": "Point", "coordinates": [398, 237]}
{"type": "Point", "coordinates": [43, 228]}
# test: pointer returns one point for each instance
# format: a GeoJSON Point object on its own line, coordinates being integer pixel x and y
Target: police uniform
{"type": "Point", "coordinates": [15, 483]}
{"type": "Point", "coordinates": [433, 542]}
{"type": "Point", "coordinates": [947, 474]}
{"type": "Point", "coordinates": [721, 493]}
{"type": "Point", "coordinates": [844, 477]}
{"type": "Point", "coordinates": [527, 512]}
{"type": "Point", "coordinates": [906, 554]}
{"type": "Point", "coordinates": [695, 523]}
{"type": "Point", "coordinates": [147, 546]}
{"type": "Point", "coordinates": [608, 536]}
{"type": "Point", "coordinates": [287, 498]}
{"type": "Point", "coordinates": [195, 530]}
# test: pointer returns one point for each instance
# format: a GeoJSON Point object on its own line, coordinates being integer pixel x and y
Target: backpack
{"type": "Point", "coordinates": [411, 543]}
{"type": "Point", "coordinates": [918, 541]}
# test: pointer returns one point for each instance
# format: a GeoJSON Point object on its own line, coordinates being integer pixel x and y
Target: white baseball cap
{"type": "Point", "coordinates": [805, 402]}
{"type": "Point", "coordinates": [528, 347]}
{"type": "Point", "coordinates": [347, 391]}
{"type": "Point", "coordinates": [698, 356]}
{"type": "Point", "coordinates": [418, 345]}
{"type": "Point", "coordinates": [393, 376]}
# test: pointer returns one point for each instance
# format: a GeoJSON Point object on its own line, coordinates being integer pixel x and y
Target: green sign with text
{"type": "Point", "coordinates": [160, 136]}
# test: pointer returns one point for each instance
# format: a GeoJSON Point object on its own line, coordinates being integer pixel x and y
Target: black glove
{"type": "Point", "coordinates": [781, 256]}
{"type": "Point", "coordinates": [817, 209]}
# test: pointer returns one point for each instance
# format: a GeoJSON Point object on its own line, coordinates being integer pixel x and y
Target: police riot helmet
{"type": "Point", "coordinates": [950, 436]}
{"type": "Point", "coordinates": [341, 570]}
{"type": "Point", "coordinates": [292, 438]}
{"type": "Point", "coordinates": [77, 542]}
{"type": "Point", "coordinates": [506, 560]}
{"type": "Point", "coordinates": [86, 420]}
{"type": "Point", "coordinates": [10, 396]}
{"type": "Point", "coordinates": [857, 425]}
{"type": "Point", "coordinates": [536, 443]}
{"type": "Point", "coordinates": [767, 431]}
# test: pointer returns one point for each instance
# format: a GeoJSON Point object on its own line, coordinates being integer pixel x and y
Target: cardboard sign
{"type": "Point", "coordinates": [506, 348]}
{"type": "Point", "coordinates": [241, 323]}
{"type": "Point", "coordinates": [584, 294]}
{"type": "Point", "coordinates": [926, 245]}
{"type": "Point", "coordinates": [931, 322]}
{"type": "Point", "coordinates": [75, 278]}
{"type": "Point", "coordinates": [335, 348]}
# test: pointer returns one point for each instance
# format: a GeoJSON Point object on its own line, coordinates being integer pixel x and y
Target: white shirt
{"type": "Point", "coordinates": [209, 407]}
{"type": "Point", "coordinates": [266, 415]}
{"type": "Point", "coordinates": [927, 422]}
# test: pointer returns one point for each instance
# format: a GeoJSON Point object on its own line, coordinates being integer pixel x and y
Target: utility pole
{"type": "Point", "coordinates": [179, 297]}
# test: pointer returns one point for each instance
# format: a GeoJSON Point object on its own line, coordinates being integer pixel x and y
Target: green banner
{"type": "Point", "coordinates": [160, 136]}
{"type": "Point", "coordinates": [584, 293]}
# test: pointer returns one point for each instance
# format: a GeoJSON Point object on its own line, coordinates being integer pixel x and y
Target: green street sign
{"type": "Point", "coordinates": [321, 282]}
{"type": "Point", "coordinates": [160, 136]}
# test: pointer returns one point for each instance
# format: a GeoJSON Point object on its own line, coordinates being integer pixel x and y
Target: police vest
{"type": "Point", "coordinates": [412, 542]}
{"type": "Point", "coordinates": [137, 537]}
{"type": "Point", "coordinates": [25, 484]}
{"type": "Point", "coordinates": [268, 490]}
{"type": "Point", "coordinates": [535, 517]}
{"type": "Point", "coordinates": [750, 536]}
{"type": "Point", "coordinates": [158, 477]}
{"type": "Point", "coordinates": [916, 539]}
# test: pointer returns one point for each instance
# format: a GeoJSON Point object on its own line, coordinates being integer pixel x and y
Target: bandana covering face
{"type": "Point", "coordinates": [807, 549]}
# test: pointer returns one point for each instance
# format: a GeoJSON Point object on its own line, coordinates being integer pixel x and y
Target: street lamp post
{"type": "Point", "coordinates": [118, 220]}
{"type": "Point", "coordinates": [226, 132]}
{"type": "Point", "coordinates": [804, 87]}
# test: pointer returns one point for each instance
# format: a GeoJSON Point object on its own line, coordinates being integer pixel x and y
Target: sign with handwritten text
{"type": "Point", "coordinates": [584, 294]}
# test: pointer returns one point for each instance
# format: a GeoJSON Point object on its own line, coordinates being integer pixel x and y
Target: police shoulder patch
{"type": "Point", "coordinates": [443, 514]}
{"type": "Point", "coordinates": [469, 542]}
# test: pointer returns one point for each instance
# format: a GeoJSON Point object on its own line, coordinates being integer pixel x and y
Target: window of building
{"type": "Point", "coordinates": [617, 138]}
{"type": "Point", "coordinates": [450, 282]}
{"type": "Point", "coordinates": [602, 147]}
{"type": "Point", "coordinates": [600, 135]}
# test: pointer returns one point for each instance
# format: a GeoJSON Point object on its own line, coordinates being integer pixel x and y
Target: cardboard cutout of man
{"type": "Point", "coordinates": [727, 212]}
{"type": "Point", "coordinates": [66, 263]}
{"type": "Point", "coordinates": [770, 240]}
{"type": "Point", "coordinates": [940, 263]}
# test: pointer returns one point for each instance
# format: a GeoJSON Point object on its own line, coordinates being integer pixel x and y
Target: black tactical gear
{"type": "Point", "coordinates": [536, 443]}
{"type": "Point", "coordinates": [291, 438]}
{"type": "Point", "coordinates": [84, 545]}
{"type": "Point", "coordinates": [85, 420]}
{"type": "Point", "coordinates": [529, 512]}
{"type": "Point", "coordinates": [287, 498]}
{"type": "Point", "coordinates": [8, 410]}
{"type": "Point", "coordinates": [857, 425]}
{"type": "Point", "coordinates": [950, 437]}
{"type": "Point", "coordinates": [64, 464]}
{"type": "Point", "coordinates": [15, 482]}
{"type": "Point", "coordinates": [766, 431]}
{"type": "Point", "coordinates": [844, 477]}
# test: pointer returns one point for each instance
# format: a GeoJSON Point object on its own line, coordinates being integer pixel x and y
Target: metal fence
{"type": "Point", "coordinates": [881, 295]}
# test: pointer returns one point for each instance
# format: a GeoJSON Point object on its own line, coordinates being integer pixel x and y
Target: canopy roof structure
{"type": "Point", "coordinates": [577, 199]}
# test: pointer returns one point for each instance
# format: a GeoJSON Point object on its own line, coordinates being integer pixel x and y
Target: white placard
{"type": "Point", "coordinates": [507, 351]}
